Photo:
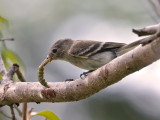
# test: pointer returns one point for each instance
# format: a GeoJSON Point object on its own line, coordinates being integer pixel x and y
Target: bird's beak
{"type": "Point", "coordinates": [50, 58]}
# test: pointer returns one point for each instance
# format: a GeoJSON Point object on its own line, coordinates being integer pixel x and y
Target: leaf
{"type": "Point", "coordinates": [47, 114]}
{"type": "Point", "coordinates": [10, 57]}
{"type": "Point", "coordinates": [4, 27]}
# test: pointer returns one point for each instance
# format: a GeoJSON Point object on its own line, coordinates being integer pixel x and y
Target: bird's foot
{"type": "Point", "coordinates": [85, 73]}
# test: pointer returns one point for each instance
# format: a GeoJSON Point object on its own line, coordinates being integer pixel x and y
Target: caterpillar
{"type": "Point", "coordinates": [41, 73]}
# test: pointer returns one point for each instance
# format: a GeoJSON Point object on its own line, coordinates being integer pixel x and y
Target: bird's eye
{"type": "Point", "coordinates": [54, 50]}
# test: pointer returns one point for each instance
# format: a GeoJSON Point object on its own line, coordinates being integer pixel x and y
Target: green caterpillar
{"type": "Point", "coordinates": [41, 73]}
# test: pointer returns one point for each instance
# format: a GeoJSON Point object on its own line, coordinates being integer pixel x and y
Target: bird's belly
{"type": "Point", "coordinates": [93, 62]}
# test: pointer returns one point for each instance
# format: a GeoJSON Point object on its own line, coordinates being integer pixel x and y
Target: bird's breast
{"type": "Point", "coordinates": [92, 62]}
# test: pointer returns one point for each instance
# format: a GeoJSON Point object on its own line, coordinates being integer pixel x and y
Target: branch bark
{"type": "Point", "coordinates": [78, 89]}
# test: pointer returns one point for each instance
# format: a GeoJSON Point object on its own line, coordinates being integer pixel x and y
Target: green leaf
{"type": "Point", "coordinates": [47, 114]}
{"type": "Point", "coordinates": [10, 57]}
{"type": "Point", "coordinates": [4, 27]}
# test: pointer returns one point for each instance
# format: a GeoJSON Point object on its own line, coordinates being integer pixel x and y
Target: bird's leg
{"type": "Point", "coordinates": [86, 73]}
{"type": "Point", "coordinates": [81, 75]}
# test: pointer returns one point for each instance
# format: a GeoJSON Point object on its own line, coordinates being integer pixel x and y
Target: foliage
{"type": "Point", "coordinates": [9, 57]}
{"type": "Point", "coordinates": [4, 25]}
{"type": "Point", "coordinates": [47, 114]}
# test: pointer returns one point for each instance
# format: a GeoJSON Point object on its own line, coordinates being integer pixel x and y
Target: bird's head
{"type": "Point", "coordinates": [59, 49]}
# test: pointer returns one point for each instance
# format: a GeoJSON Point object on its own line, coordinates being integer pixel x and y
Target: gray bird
{"type": "Point", "coordinates": [86, 54]}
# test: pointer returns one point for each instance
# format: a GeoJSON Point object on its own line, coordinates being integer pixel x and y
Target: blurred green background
{"type": "Point", "coordinates": [37, 24]}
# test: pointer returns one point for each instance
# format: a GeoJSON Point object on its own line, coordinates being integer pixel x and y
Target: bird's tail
{"type": "Point", "coordinates": [132, 45]}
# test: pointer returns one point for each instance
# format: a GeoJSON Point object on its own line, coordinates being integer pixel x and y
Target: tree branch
{"type": "Point", "coordinates": [29, 113]}
{"type": "Point", "coordinates": [12, 113]}
{"type": "Point", "coordinates": [24, 111]}
{"type": "Point", "coordinates": [7, 39]}
{"type": "Point", "coordinates": [149, 30]}
{"type": "Point", "coordinates": [108, 74]}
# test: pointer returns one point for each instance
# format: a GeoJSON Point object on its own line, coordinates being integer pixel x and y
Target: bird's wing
{"type": "Point", "coordinates": [86, 48]}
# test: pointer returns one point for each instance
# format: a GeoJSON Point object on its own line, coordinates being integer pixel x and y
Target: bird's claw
{"type": "Point", "coordinates": [85, 73]}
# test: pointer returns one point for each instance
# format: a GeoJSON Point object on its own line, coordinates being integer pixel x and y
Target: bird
{"type": "Point", "coordinates": [86, 54]}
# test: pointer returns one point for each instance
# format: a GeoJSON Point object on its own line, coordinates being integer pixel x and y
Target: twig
{"type": "Point", "coordinates": [29, 113]}
{"type": "Point", "coordinates": [12, 71]}
{"type": "Point", "coordinates": [24, 111]}
{"type": "Point", "coordinates": [19, 74]}
{"type": "Point", "coordinates": [3, 70]}
{"type": "Point", "coordinates": [7, 39]}
{"type": "Point", "coordinates": [21, 78]}
{"type": "Point", "coordinates": [149, 30]}
{"type": "Point", "coordinates": [145, 40]}
{"type": "Point", "coordinates": [12, 112]}
{"type": "Point", "coordinates": [15, 69]}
